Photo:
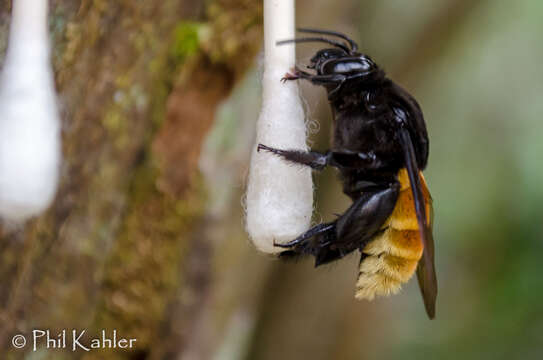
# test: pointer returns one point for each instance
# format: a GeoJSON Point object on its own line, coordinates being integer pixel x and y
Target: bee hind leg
{"type": "Point", "coordinates": [328, 242]}
{"type": "Point", "coordinates": [316, 230]}
{"type": "Point", "coordinates": [319, 242]}
{"type": "Point", "coordinates": [313, 242]}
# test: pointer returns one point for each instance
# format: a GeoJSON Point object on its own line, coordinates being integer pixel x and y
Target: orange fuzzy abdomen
{"type": "Point", "coordinates": [392, 256]}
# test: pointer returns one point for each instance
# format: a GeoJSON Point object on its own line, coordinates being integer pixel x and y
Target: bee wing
{"type": "Point", "coordinates": [415, 121]}
{"type": "Point", "coordinates": [427, 275]}
{"type": "Point", "coordinates": [425, 270]}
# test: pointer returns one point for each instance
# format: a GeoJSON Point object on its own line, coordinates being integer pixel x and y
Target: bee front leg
{"type": "Point", "coordinates": [296, 73]}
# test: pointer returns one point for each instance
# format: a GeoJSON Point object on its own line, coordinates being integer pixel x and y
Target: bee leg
{"type": "Point", "coordinates": [339, 159]}
{"type": "Point", "coordinates": [334, 79]}
{"type": "Point", "coordinates": [312, 159]}
{"type": "Point", "coordinates": [331, 79]}
{"type": "Point", "coordinates": [355, 160]}
{"type": "Point", "coordinates": [315, 230]}
{"type": "Point", "coordinates": [315, 241]}
{"type": "Point", "coordinates": [359, 224]}
{"type": "Point", "coordinates": [289, 77]}
{"type": "Point", "coordinates": [351, 231]}
{"type": "Point", "coordinates": [365, 217]}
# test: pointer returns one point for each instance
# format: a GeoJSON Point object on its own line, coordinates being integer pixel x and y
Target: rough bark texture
{"type": "Point", "coordinates": [139, 82]}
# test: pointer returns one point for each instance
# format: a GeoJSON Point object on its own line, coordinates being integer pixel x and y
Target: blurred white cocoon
{"type": "Point", "coordinates": [29, 121]}
{"type": "Point", "coordinates": [279, 194]}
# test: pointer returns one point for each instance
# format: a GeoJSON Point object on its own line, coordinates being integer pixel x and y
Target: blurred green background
{"type": "Point", "coordinates": [159, 101]}
{"type": "Point", "coordinates": [476, 69]}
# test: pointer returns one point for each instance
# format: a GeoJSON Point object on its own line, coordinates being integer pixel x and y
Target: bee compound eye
{"type": "Point", "coordinates": [365, 65]}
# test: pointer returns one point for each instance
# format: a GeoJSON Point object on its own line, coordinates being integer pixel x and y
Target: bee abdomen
{"type": "Point", "coordinates": [391, 258]}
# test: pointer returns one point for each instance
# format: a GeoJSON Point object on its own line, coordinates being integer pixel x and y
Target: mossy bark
{"type": "Point", "coordinates": [139, 83]}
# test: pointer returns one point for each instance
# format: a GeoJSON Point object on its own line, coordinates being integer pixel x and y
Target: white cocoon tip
{"type": "Point", "coordinates": [279, 194]}
{"type": "Point", "coordinates": [29, 121]}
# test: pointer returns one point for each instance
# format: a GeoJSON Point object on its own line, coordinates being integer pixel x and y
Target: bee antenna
{"type": "Point", "coordinates": [352, 43]}
{"type": "Point", "coordinates": [316, 39]}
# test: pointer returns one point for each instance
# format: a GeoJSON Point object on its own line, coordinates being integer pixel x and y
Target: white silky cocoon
{"type": "Point", "coordinates": [29, 121]}
{"type": "Point", "coordinates": [279, 194]}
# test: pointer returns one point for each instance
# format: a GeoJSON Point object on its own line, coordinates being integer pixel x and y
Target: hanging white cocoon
{"type": "Point", "coordinates": [29, 122]}
{"type": "Point", "coordinates": [279, 194]}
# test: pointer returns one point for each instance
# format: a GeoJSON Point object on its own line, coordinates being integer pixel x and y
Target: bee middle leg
{"type": "Point", "coordinates": [313, 159]}
{"type": "Point", "coordinates": [318, 161]}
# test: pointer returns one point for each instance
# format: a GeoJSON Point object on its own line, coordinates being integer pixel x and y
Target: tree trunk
{"type": "Point", "coordinates": [124, 246]}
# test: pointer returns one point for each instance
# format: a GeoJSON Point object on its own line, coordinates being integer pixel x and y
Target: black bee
{"type": "Point", "coordinates": [380, 147]}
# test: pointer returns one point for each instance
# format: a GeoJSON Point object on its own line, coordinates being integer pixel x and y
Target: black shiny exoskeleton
{"type": "Point", "coordinates": [378, 129]}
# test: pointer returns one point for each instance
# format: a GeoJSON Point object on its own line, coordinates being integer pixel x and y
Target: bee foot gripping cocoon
{"type": "Point", "coordinates": [29, 122]}
{"type": "Point", "coordinates": [279, 194]}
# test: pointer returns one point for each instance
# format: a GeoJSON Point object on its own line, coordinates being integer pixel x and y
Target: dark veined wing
{"type": "Point", "coordinates": [425, 270]}
{"type": "Point", "coordinates": [428, 289]}
{"type": "Point", "coordinates": [415, 121]}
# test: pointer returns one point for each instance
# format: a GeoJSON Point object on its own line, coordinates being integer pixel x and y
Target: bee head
{"type": "Point", "coordinates": [341, 59]}
{"type": "Point", "coordinates": [324, 55]}
{"type": "Point", "coordinates": [336, 61]}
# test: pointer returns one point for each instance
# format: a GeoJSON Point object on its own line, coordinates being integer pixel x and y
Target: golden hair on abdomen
{"type": "Point", "coordinates": [391, 257]}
